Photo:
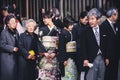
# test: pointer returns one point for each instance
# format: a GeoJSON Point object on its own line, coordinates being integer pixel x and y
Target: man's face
{"type": "Point", "coordinates": [115, 17]}
{"type": "Point", "coordinates": [93, 21]}
{"type": "Point", "coordinates": [84, 20]}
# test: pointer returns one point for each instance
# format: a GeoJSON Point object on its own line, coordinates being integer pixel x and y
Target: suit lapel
{"type": "Point", "coordinates": [110, 27]}
{"type": "Point", "coordinates": [93, 36]}
{"type": "Point", "coordinates": [11, 37]}
{"type": "Point", "coordinates": [100, 35]}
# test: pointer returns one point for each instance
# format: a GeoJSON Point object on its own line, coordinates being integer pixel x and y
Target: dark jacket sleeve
{"type": "Point", "coordinates": [62, 48]}
{"type": "Point", "coordinates": [41, 48]}
{"type": "Point", "coordinates": [4, 43]}
{"type": "Point", "coordinates": [23, 51]}
{"type": "Point", "coordinates": [83, 44]}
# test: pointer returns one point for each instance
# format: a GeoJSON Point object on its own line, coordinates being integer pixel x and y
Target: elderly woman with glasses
{"type": "Point", "coordinates": [9, 50]}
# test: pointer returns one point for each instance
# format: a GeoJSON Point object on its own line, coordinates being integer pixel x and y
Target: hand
{"type": "Point", "coordinates": [47, 55]}
{"type": "Point", "coordinates": [65, 63]}
{"type": "Point", "coordinates": [107, 62]}
{"type": "Point", "coordinates": [29, 57]}
{"type": "Point", "coordinates": [33, 57]}
{"type": "Point", "coordinates": [85, 63]}
{"type": "Point", "coordinates": [52, 55]}
{"type": "Point", "coordinates": [15, 49]}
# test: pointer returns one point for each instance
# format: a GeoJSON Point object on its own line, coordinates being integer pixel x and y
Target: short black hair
{"type": "Point", "coordinates": [67, 21]}
{"type": "Point", "coordinates": [8, 18]}
{"type": "Point", "coordinates": [82, 15]}
{"type": "Point", "coordinates": [47, 14]}
{"type": "Point", "coordinates": [10, 9]}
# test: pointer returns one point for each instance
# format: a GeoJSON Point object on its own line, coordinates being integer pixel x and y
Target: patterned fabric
{"type": "Point", "coordinates": [70, 70]}
{"type": "Point", "coordinates": [48, 69]}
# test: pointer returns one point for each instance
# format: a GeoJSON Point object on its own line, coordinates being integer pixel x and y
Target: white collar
{"type": "Point", "coordinates": [110, 21]}
{"type": "Point", "coordinates": [50, 28]}
{"type": "Point", "coordinates": [96, 27]}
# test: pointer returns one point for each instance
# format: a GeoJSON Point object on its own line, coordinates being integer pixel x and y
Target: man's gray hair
{"type": "Point", "coordinates": [30, 20]}
{"type": "Point", "coordinates": [111, 12]}
{"type": "Point", "coordinates": [94, 12]}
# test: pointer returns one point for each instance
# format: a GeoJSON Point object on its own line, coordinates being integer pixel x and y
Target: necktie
{"type": "Point", "coordinates": [97, 36]}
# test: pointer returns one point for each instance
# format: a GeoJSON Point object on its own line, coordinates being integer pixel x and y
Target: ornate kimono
{"type": "Point", "coordinates": [48, 67]}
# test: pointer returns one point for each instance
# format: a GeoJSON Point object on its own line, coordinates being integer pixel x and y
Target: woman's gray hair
{"type": "Point", "coordinates": [94, 12]}
{"type": "Point", "coordinates": [30, 20]}
{"type": "Point", "coordinates": [111, 12]}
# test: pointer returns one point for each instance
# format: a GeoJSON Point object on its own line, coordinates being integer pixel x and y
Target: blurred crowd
{"type": "Point", "coordinates": [60, 49]}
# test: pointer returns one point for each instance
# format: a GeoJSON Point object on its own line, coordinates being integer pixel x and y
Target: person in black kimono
{"type": "Point", "coordinates": [29, 46]}
{"type": "Point", "coordinates": [9, 50]}
{"type": "Point", "coordinates": [65, 37]}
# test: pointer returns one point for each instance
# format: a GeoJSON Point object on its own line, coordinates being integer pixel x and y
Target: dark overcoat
{"type": "Point", "coordinates": [8, 58]}
{"type": "Point", "coordinates": [27, 68]}
{"type": "Point", "coordinates": [112, 68]}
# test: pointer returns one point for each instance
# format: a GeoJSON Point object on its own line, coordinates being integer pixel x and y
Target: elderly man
{"type": "Point", "coordinates": [112, 30]}
{"type": "Point", "coordinates": [94, 45]}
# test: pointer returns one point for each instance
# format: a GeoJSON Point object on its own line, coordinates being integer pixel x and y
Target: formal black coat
{"type": "Point", "coordinates": [27, 68]}
{"type": "Point", "coordinates": [77, 31]}
{"type": "Point", "coordinates": [8, 58]}
{"type": "Point", "coordinates": [113, 43]}
{"type": "Point", "coordinates": [89, 46]}
{"type": "Point", "coordinates": [112, 68]}
{"type": "Point", "coordinates": [58, 23]}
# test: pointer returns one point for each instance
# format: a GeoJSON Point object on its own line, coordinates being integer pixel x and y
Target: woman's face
{"type": "Point", "coordinates": [30, 27]}
{"type": "Point", "coordinates": [12, 23]}
{"type": "Point", "coordinates": [47, 21]}
{"type": "Point", "coordinates": [70, 27]}
{"type": "Point", "coordinates": [4, 13]}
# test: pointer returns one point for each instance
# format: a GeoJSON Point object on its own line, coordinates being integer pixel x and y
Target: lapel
{"type": "Point", "coordinates": [101, 35]}
{"type": "Point", "coordinates": [110, 27]}
{"type": "Point", "coordinates": [17, 35]}
{"type": "Point", "coordinates": [50, 33]}
{"type": "Point", "coordinates": [11, 38]}
{"type": "Point", "coordinates": [93, 36]}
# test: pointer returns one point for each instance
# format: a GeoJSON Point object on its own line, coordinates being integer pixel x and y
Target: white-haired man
{"type": "Point", "coordinates": [112, 30]}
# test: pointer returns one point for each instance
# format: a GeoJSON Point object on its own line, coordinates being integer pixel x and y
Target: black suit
{"type": "Point", "coordinates": [111, 69]}
{"type": "Point", "coordinates": [89, 44]}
